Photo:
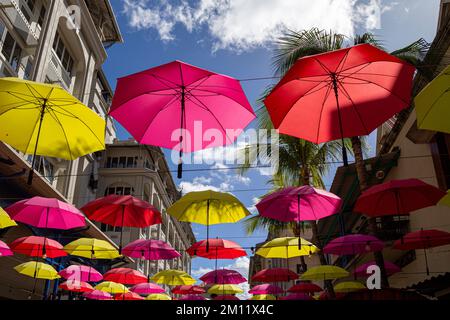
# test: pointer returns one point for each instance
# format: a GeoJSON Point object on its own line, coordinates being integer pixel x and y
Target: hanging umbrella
{"type": "Point", "coordinates": [445, 200]}
{"type": "Point", "coordinates": [192, 297]}
{"type": "Point", "coordinates": [188, 290]}
{"type": "Point", "coordinates": [286, 248]}
{"type": "Point", "coordinates": [298, 296]}
{"type": "Point", "coordinates": [263, 297]}
{"type": "Point", "coordinates": [267, 288]}
{"type": "Point", "coordinates": [44, 119]}
{"type": "Point", "coordinates": [37, 270]}
{"type": "Point", "coordinates": [122, 211]}
{"type": "Point", "coordinates": [146, 289]}
{"type": "Point", "coordinates": [47, 213]}
{"type": "Point", "coordinates": [216, 249]}
{"type": "Point", "coordinates": [353, 244]}
{"type": "Point", "coordinates": [150, 250]}
{"type": "Point", "coordinates": [223, 276]}
{"type": "Point", "coordinates": [275, 275]}
{"type": "Point", "coordinates": [5, 220]}
{"type": "Point", "coordinates": [324, 273]}
{"type": "Point", "coordinates": [129, 296]}
{"type": "Point", "coordinates": [305, 287]}
{"type": "Point", "coordinates": [158, 296]}
{"type": "Point", "coordinates": [225, 289]}
{"type": "Point", "coordinates": [92, 249]}
{"type": "Point", "coordinates": [208, 208]}
{"type": "Point", "coordinates": [178, 99]}
{"type": "Point", "coordinates": [97, 295]}
{"type": "Point", "coordinates": [397, 197]}
{"type": "Point", "coordinates": [38, 247]}
{"type": "Point", "coordinates": [341, 94]}
{"type": "Point", "coordinates": [390, 268]}
{"type": "Point", "coordinates": [432, 103]}
{"type": "Point", "coordinates": [81, 273]}
{"type": "Point", "coordinates": [349, 286]}
{"type": "Point", "coordinates": [173, 278]}
{"type": "Point", "coordinates": [76, 286]}
{"type": "Point", "coordinates": [111, 287]}
{"type": "Point", "coordinates": [5, 251]}
{"type": "Point", "coordinates": [228, 297]}
{"type": "Point", "coordinates": [423, 239]}
{"type": "Point", "coordinates": [125, 276]}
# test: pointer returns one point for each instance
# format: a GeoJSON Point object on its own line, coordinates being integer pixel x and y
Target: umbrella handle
{"type": "Point", "coordinates": [30, 175]}
{"type": "Point", "coordinates": [180, 167]}
{"type": "Point", "coordinates": [336, 93]}
{"type": "Point", "coordinates": [183, 111]}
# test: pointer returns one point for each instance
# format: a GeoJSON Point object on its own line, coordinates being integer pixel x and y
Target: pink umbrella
{"type": "Point", "coordinates": [47, 213]}
{"type": "Point", "coordinates": [150, 250]}
{"type": "Point", "coordinates": [353, 244]}
{"type": "Point", "coordinates": [5, 251]}
{"type": "Point", "coordinates": [81, 273]}
{"type": "Point", "coordinates": [266, 289]}
{"type": "Point", "coordinates": [178, 100]}
{"type": "Point", "coordinates": [97, 295]}
{"type": "Point", "coordinates": [390, 268]}
{"type": "Point", "coordinates": [191, 297]}
{"type": "Point", "coordinates": [147, 288]}
{"type": "Point", "coordinates": [297, 296]}
{"type": "Point", "coordinates": [223, 276]}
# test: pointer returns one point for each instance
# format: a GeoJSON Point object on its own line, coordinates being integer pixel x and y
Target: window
{"type": "Point", "coordinates": [44, 167]}
{"type": "Point", "coordinates": [41, 17]}
{"type": "Point", "coordinates": [121, 162]}
{"type": "Point", "coordinates": [120, 190]}
{"type": "Point", "coordinates": [27, 8]}
{"type": "Point", "coordinates": [63, 54]}
{"type": "Point", "coordinates": [108, 228]}
{"type": "Point", "coordinates": [11, 51]}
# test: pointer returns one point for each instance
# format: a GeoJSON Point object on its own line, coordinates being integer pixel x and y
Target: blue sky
{"type": "Point", "coordinates": [234, 38]}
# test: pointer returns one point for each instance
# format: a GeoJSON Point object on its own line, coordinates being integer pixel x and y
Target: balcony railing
{"type": "Point", "coordinates": [64, 77]}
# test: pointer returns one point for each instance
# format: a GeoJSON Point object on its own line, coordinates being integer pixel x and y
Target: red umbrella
{"type": "Point", "coordinates": [305, 287]}
{"type": "Point", "coordinates": [218, 249]}
{"type": "Point", "coordinates": [298, 296]}
{"type": "Point", "coordinates": [226, 297]}
{"type": "Point", "coordinates": [397, 197]}
{"type": "Point", "coordinates": [129, 296]}
{"type": "Point", "coordinates": [125, 276]}
{"type": "Point", "coordinates": [340, 94]}
{"type": "Point", "coordinates": [76, 286]}
{"type": "Point", "coordinates": [188, 290]}
{"type": "Point", "coordinates": [122, 211]}
{"type": "Point", "coordinates": [266, 289]}
{"type": "Point", "coordinates": [275, 275]}
{"type": "Point", "coordinates": [223, 276]}
{"type": "Point", "coordinates": [38, 247]}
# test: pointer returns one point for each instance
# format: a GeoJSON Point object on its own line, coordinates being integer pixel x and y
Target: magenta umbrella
{"type": "Point", "coordinates": [150, 250]}
{"type": "Point", "coordinates": [266, 289]}
{"type": "Point", "coordinates": [5, 251]}
{"type": "Point", "coordinates": [147, 288]}
{"type": "Point", "coordinates": [191, 297]}
{"type": "Point", "coordinates": [47, 213]}
{"type": "Point", "coordinates": [81, 273]}
{"type": "Point", "coordinates": [173, 105]}
{"type": "Point", "coordinates": [97, 295]}
{"type": "Point", "coordinates": [390, 268]}
{"type": "Point", "coordinates": [353, 244]}
{"type": "Point", "coordinates": [297, 296]}
{"type": "Point", "coordinates": [223, 276]}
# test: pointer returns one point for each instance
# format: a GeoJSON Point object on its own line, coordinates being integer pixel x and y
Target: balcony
{"type": "Point", "coordinates": [19, 15]}
{"type": "Point", "coordinates": [60, 74]}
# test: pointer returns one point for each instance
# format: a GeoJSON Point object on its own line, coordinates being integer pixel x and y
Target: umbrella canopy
{"type": "Point", "coordinates": [390, 268]}
{"type": "Point", "coordinates": [76, 286]}
{"type": "Point", "coordinates": [38, 247]}
{"type": "Point", "coordinates": [216, 249]}
{"type": "Point", "coordinates": [5, 220]}
{"type": "Point", "coordinates": [150, 250]}
{"type": "Point", "coordinates": [298, 296]}
{"type": "Point", "coordinates": [305, 287]}
{"type": "Point", "coordinates": [44, 119]}
{"type": "Point", "coordinates": [192, 297]}
{"type": "Point", "coordinates": [340, 94]}
{"type": "Point", "coordinates": [225, 289]}
{"type": "Point", "coordinates": [286, 248]}
{"type": "Point", "coordinates": [423, 239]}
{"type": "Point", "coordinates": [353, 244]}
{"type": "Point", "coordinates": [226, 297]}
{"type": "Point", "coordinates": [5, 251]}
{"type": "Point", "coordinates": [129, 296]}
{"type": "Point", "coordinates": [299, 204]}
{"type": "Point", "coordinates": [275, 275]}
{"type": "Point", "coordinates": [111, 287]}
{"type": "Point", "coordinates": [158, 296]}
{"type": "Point", "coordinates": [397, 197]}
{"type": "Point", "coordinates": [267, 288]}
{"type": "Point", "coordinates": [146, 289]}
{"type": "Point", "coordinates": [47, 213]}
{"type": "Point", "coordinates": [324, 273]}
{"type": "Point", "coordinates": [37, 270]}
{"type": "Point", "coordinates": [431, 104]}
{"type": "Point", "coordinates": [444, 201]}
{"type": "Point", "coordinates": [98, 295]}
{"type": "Point", "coordinates": [188, 290]}
{"type": "Point", "coordinates": [263, 297]}
{"type": "Point", "coordinates": [173, 278]}
{"type": "Point", "coordinates": [81, 273]}
{"type": "Point", "coordinates": [223, 276]}
{"type": "Point", "coordinates": [125, 276]}
{"type": "Point", "coordinates": [92, 249]}
{"type": "Point", "coordinates": [349, 286]}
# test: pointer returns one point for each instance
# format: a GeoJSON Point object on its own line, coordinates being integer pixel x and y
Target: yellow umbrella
{"type": "Point", "coordinates": [92, 249]}
{"type": "Point", "coordinates": [44, 119]}
{"type": "Point", "coordinates": [158, 296]}
{"type": "Point", "coordinates": [37, 270]}
{"type": "Point", "coordinates": [286, 248]}
{"type": "Point", "coordinates": [432, 104]}
{"type": "Point", "coordinates": [324, 273]}
{"type": "Point", "coordinates": [225, 289]}
{"type": "Point", "coordinates": [111, 287]}
{"type": "Point", "coordinates": [5, 220]}
{"type": "Point", "coordinates": [348, 286]}
{"type": "Point", "coordinates": [445, 200]}
{"type": "Point", "coordinates": [173, 278]}
{"type": "Point", "coordinates": [263, 297]}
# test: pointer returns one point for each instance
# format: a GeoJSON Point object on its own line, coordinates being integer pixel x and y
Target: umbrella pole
{"type": "Point", "coordinates": [207, 226]}
{"type": "Point", "coordinates": [336, 93]}
{"type": "Point", "coordinates": [30, 175]}
{"type": "Point", "coordinates": [426, 261]}
{"type": "Point", "coordinates": [183, 110]}
{"type": "Point", "coordinates": [299, 223]}
{"type": "Point", "coordinates": [121, 230]}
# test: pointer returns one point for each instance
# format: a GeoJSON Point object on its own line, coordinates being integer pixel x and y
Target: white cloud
{"type": "Point", "coordinates": [197, 273]}
{"type": "Point", "coordinates": [246, 24]}
{"type": "Point", "coordinates": [197, 184]}
{"type": "Point", "coordinates": [242, 266]}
